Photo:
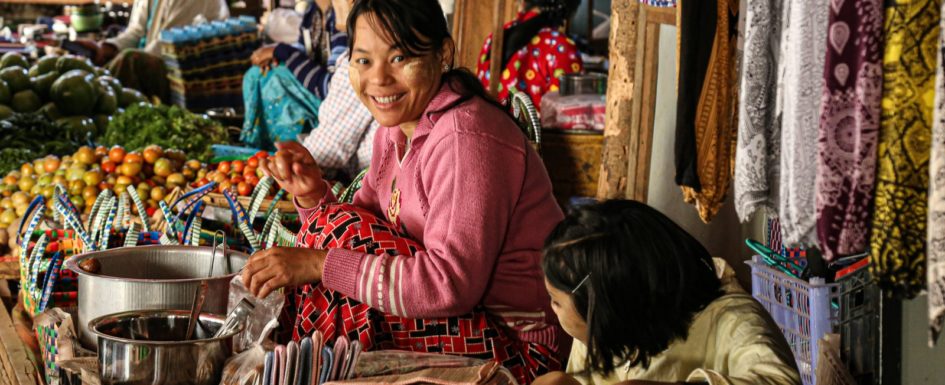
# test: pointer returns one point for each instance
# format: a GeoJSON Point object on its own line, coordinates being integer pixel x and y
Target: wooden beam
{"type": "Point", "coordinates": [617, 146]}
{"type": "Point", "coordinates": [473, 21]}
{"type": "Point", "coordinates": [498, 41]}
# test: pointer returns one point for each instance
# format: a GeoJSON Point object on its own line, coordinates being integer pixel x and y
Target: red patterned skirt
{"type": "Point", "coordinates": [478, 334]}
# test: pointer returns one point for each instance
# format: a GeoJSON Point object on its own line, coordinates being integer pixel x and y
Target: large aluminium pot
{"type": "Point", "coordinates": [151, 278]}
{"type": "Point", "coordinates": [147, 347]}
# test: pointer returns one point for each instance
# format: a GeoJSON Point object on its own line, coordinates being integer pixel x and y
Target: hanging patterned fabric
{"type": "Point", "coordinates": [849, 126]}
{"type": "Point", "coordinates": [757, 157]}
{"type": "Point", "coordinates": [936, 233]}
{"type": "Point", "coordinates": [897, 243]}
{"type": "Point", "coordinates": [714, 115]}
{"type": "Point", "coordinates": [803, 48]}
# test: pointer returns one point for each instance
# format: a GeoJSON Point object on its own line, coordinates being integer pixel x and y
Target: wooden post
{"type": "Point", "coordinates": [623, 50]}
{"type": "Point", "coordinates": [498, 40]}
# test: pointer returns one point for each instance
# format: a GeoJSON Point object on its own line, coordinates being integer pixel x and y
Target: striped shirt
{"type": "Point", "coordinates": [314, 69]}
{"type": "Point", "coordinates": [344, 137]}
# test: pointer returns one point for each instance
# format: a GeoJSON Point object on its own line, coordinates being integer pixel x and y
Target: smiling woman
{"type": "Point", "coordinates": [443, 239]}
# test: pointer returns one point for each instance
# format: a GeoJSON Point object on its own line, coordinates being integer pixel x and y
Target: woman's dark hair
{"type": "Point", "coordinates": [553, 14]}
{"type": "Point", "coordinates": [646, 279]}
{"type": "Point", "coordinates": [418, 27]}
{"type": "Point", "coordinates": [559, 10]}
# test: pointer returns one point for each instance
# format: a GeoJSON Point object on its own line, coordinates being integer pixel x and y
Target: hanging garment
{"type": "Point", "coordinates": [757, 157]}
{"type": "Point", "coordinates": [803, 48]}
{"type": "Point", "coordinates": [278, 107]}
{"type": "Point", "coordinates": [897, 243]}
{"type": "Point", "coordinates": [712, 120]}
{"type": "Point", "coordinates": [849, 126]}
{"type": "Point", "coordinates": [936, 236]}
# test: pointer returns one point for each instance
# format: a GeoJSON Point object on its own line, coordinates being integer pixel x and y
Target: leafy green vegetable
{"type": "Point", "coordinates": [12, 158]}
{"type": "Point", "coordinates": [169, 127]}
{"type": "Point", "coordinates": [29, 136]}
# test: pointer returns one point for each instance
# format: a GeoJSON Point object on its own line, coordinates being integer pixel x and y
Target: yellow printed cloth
{"type": "Point", "coordinates": [898, 239]}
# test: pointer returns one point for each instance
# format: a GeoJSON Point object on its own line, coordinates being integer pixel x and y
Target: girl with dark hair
{"type": "Point", "coordinates": [535, 50]}
{"type": "Point", "coordinates": [646, 304]}
{"type": "Point", "coordinates": [440, 251]}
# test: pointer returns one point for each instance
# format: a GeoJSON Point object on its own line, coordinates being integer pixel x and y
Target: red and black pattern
{"type": "Point", "coordinates": [478, 334]}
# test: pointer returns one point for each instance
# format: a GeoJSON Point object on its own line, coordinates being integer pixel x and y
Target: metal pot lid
{"type": "Point", "coordinates": [151, 250]}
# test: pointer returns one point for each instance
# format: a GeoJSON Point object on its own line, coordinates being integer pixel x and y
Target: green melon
{"type": "Point", "coordinates": [107, 101]}
{"type": "Point", "coordinates": [130, 96]}
{"type": "Point", "coordinates": [112, 82]}
{"type": "Point", "coordinates": [16, 77]}
{"type": "Point", "coordinates": [51, 111]}
{"type": "Point", "coordinates": [26, 101]}
{"type": "Point", "coordinates": [5, 93]}
{"type": "Point", "coordinates": [46, 64]}
{"type": "Point", "coordinates": [69, 62]}
{"type": "Point", "coordinates": [14, 59]}
{"type": "Point", "coordinates": [74, 93]}
{"type": "Point", "coordinates": [43, 83]}
{"type": "Point", "coordinates": [5, 112]}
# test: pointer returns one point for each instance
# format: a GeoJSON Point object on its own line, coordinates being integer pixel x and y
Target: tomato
{"type": "Point", "coordinates": [133, 157]}
{"type": "Point", "coordinates": [236, 179]}
{"type": "Point", "coordinates": [116, 154]}
{"type": "Point", "coordinates": [101, 152]}
{"type": "Point", "coordinates": [237, 166]}
{"type": "Point", "coordinates": [244, 189]}
{"type": "Point", "coordinates": [202, 182]}
{"type": "Point", "coordinates": [152, 153]}
{"type": "Point", "coordinates": [51, 164]}
{"type": "Point", "coordinates": [249, 171]}
{"type": "Point", "coordinates": [252, 162]}
{"type": "Point", "coordinates": [253, 180]}
{"type": "Point", "coordinates": [224, 167]}
{"type": "Point", "coordinates": [261, 155]}
{"type": "Point", "coordinates": [109, 166]}
{"type": "Point", "coordinates": [129, 169]}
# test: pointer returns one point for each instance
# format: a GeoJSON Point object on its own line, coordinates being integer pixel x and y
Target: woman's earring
{"type": "Point", "coordinates": [446, 68]}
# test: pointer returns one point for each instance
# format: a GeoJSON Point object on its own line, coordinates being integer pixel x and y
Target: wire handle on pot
{"type": "Point", "coordinates": [219, 235]}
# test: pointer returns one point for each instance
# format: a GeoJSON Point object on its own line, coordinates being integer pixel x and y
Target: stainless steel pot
{"type": "Point", "coordinates": [146, 347]}
{"type": "Point", "coordinates": [582, 84]}
{"type": "Point", "coordinates": [151, 278]}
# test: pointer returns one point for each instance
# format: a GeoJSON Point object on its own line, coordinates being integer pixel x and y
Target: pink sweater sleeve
{"type": "Point", "coordinates": [472, 183]}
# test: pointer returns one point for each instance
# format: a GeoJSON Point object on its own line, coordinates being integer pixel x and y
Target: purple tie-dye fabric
{"type": "Point", "coordinates": [849, 126]}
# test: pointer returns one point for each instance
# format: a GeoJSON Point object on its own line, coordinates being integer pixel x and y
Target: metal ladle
{"type": "Point", "coordinates": [201, 293]}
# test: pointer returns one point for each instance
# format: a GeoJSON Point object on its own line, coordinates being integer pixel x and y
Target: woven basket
{"type": "Point", "coordinates": [218, 200]}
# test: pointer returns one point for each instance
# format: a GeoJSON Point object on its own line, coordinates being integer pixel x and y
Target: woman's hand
{"type": "Point", "coordinates": [271, 269]}
{"type": "Point", "coordinates": [262, 57]}
{"type": "Point", "coordinates": [296, 171]}
{"type": "Point", "coordinates": [556, 378]}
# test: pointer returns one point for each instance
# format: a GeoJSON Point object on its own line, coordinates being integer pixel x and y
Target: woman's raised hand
{"type": "Point", "coordinates": [296, 171]}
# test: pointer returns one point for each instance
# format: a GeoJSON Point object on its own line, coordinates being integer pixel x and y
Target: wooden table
{"type": "Point", "coordinates": [15, 367]}
{"type": "Point", "coordinates": [573, 161]}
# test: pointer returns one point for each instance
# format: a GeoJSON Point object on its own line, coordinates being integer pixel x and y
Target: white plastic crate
{"type": "Point", "coordinates": [801, 309]}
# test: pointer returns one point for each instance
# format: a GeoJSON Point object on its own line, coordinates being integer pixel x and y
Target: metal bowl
{"type": "Point", "coordinates": [583, 84]}
{"type": "Point", "coordinates": [151, 278]}
{"type": "Point", "coordinates": [147, 347]}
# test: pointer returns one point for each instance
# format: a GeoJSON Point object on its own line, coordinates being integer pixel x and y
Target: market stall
{"type": "Point", "coordinates": [141, 186]}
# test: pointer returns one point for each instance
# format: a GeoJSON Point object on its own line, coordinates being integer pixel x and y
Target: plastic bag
{"type": "Point", "coordinates": [247, 367]}
{"type": "Point", "coordinates": [266, 309]}
{"type": "Point", "coordinates": [573, 112]}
